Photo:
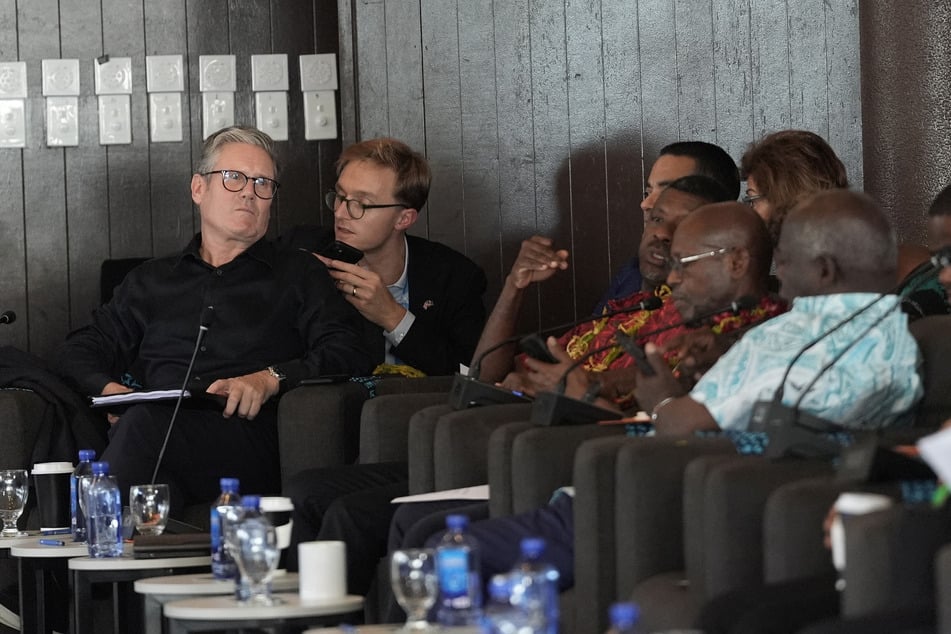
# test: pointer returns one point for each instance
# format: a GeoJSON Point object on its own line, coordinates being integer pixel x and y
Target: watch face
{"type": "Point", "coordinates": [277, 374]}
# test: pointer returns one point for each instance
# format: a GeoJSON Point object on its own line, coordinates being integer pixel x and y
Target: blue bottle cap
{"type": "Point", "coordinates": [229, 485]}
{"type": "Point", "coordinates": [100, 468]}
{"type": "Point", "coordinates": [87, 455]}
{"type": "Point", "coordinates": [457, 522]}
{"type": "Point", "coordinates": [624, 615]}
{"type": "Point", "coordinates": [251, 502]}
{"type": "Point", "coordinates": [500, 588]}
{"type": "Point", "coordinates": [532, 547]}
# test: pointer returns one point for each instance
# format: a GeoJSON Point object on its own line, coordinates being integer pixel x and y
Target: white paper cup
{"type": "Point", "coordinates": [278, 512]}
{"type": "Point", "coordinates": [852, 504]}
{"type": "Point", "coordinates": [52, 494]}
{"type": "Point", "coordinates": [322, 569]}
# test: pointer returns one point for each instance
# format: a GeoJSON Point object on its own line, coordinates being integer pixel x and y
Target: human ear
{"type": "Point", "coordinates": [406, 219]}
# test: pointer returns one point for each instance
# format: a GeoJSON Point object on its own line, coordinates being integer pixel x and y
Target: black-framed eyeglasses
{"type": "Point", "coordinates": [355, 208]}
{"type": "Point", "coordinates": [750, 200]}
{"type": "Point", "coordinates": [676, 265]}
{"type": "Point", "coordinates": [235, 181]}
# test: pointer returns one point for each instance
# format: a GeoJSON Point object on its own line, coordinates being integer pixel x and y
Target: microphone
{"type": "Point", "coordinates": [8, 317]}
{"type": "Point", "coordinates": [205, 320]}
{"type": "Point", "coordinates": [554, 408]}
{"type": "Point", "coordinates": [468, 391]}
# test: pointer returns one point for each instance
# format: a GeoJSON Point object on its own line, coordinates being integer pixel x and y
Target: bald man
{"type": "Point", "coordinates": [836, 255]}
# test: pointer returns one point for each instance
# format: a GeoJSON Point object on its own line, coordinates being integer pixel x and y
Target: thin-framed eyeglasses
{"type": "Point", "coordinates": [751, 200]}
{"type": "Point", "coordinates": [355, 208]}
{"type": "Point", "coordinates": [677, 265]}
{"type": "Point", "coordinates": [235, 181]}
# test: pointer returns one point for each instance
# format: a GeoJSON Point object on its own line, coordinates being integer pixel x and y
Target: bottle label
{"type": "Point", "coordinates": [452, 567]}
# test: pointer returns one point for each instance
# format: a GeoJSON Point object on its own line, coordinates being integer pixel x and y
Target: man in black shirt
{"type": "Point", "coordinates": [273, 318]}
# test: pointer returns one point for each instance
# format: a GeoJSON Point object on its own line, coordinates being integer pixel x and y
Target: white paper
{"type": "Point", "coordinates": [480, 492]}
{"type": "Point", "coordinates": [936, 451]}
{"type": "Point", "coordinates": [129, 398]}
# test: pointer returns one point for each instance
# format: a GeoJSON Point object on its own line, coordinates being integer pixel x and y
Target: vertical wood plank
{"type": "Point", "coordinates": [513, 77]}
{"type": "Point", "coordinates": [589, 219]}
{"type": "Point", "coordinates": [480, 134]}
{"type": "Point", "coordinates": [697, 82]}
{"type": "Point", "coordinates": [371, 69]}
{"type": "Point", "coordinates": [660, 107]}
{"type": "Point", "coordinates": [170, 164]}
{"type": "Point", "coordinates": [249, 34]}
{"type": "Point", "coordinates": [327, 40]}
{"type": "Point", "coordinates": [43, 189]}
{"type": "Point", "coordinates": [843, 85]}
{"type": "Point", "coordinates": [732, 72]}
{"type": "Point", "coordinates": [443, 220]}
{"type": "Point", "coordinates": [13, 282]}
{"type": "Point", "coordinates": [808, 51]}
{"type": "Point", "coordinates": [405, 64]}
{"type": "Point", "coordinates": [87, 202]}
{"type": "Point", "coordinates": [552, 151]}
{"type": "Point", "coordinates": [208, 27]}
{"type": "Point", "coordinates": [624, 166]}
{"type": "Point", "coordinates": [769, 60]}
{"type": "Point", "coordinates": [347, 66]}
{"type": "Point", "coordinates": [130, 217]}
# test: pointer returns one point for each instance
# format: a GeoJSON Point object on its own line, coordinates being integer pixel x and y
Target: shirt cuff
{"type": "Point", "coordinates": [395, 336]}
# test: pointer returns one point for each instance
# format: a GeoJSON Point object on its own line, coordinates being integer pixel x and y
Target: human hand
{"type": "Point", "coordinates": [697, 351]}
{"type": "Point", "coordinates": [366, 292]}
{"type": "Point", "coordinates": [545, 377]}
{"type": "Point", "coordinates": [650, 390]}
{"type": "Point", "coordinates": [537, 261]}
{"type": "Point", "coordinates": [112, 387]}
{"type": "Point", "coordinates": [246, 394]}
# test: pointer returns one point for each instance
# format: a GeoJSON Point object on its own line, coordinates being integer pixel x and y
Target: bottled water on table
{"type": "Point", "coordinates": [222, 564]}
{"type": "Point", "coordinates": [501, 617]}
{"type": "Point", "coordinates": [460, 583]}
{"type": "Point", "coordinates": [535, 587]}
{"type": "Point", "coordinates": [624, 619]}
{"type": "Point", "coordinates": [103, 513]}
{"type": "Point", "coordinates": [77, 488]}
{"type": "Point", "coordinates": [253, 544]}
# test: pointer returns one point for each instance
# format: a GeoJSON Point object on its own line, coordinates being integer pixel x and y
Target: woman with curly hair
{"type": "Point", "coordinates": [784, 168]}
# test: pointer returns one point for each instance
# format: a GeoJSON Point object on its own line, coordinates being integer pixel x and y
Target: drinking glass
{"type": "Point", "coordinates": [149, 506]}
{"type": "Point", "coordinates": [253, 545]}
{"type": "Point", "coordinates": [14, 489]}
{"type": "Point", "coordinates": [413, 578]}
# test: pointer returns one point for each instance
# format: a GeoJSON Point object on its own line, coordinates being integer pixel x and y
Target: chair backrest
{"type": "Point", "coordinates": [933, 335]}
{"type": "Point", "coordinates": [111, 274]}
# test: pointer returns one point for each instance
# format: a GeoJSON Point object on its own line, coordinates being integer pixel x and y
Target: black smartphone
{"type": "Point", "coordinates": [342, 251]}
{"type": "Point", "coordinates": [535, 347]}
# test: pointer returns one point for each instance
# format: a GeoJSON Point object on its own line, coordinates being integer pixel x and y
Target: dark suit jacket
{"type": "Point", "coordinates": [445, 295]}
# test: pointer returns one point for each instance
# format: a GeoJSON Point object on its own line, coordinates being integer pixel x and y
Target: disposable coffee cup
{"type": "Point", "coordinates": [52, 494]}
{"type": "Point", "coordinates": [322, 570]}
{"type": "Point", "coordinates": [278, 512]}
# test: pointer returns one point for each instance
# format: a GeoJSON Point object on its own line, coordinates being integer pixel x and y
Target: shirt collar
{"type": "Point", "coordinates": [400, 284]}
{"type": "Point", "coordinates": [262, 250]}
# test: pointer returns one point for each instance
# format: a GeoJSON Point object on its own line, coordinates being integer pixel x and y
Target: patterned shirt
{"type": "Point", "coordinates": [874, 384]}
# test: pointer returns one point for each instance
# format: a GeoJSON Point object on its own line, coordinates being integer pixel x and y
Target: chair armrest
{"type": "Point", "coordinates": [943, 579]}
{"type": "Point", "coordinates": [384, 424]}
{"type": "Point", "coordinates": [461, 443]}
{"type": "Point", "coordinates": [318, 426]}
{"type": "Point", "coordinates": [500, 467]}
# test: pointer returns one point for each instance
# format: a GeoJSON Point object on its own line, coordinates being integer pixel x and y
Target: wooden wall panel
{"type": "Point", "coordinates": [587, 93]}
{"type": "Point", "coordinates": [65, 210]}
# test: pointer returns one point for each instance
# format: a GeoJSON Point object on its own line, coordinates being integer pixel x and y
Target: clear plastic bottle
{"type": "Point", "coordinates": [103, 513]}
{"type": "Point", "coordinates": [535, 589]}
{"type": "Point", "coordinates": [222, 565]}
{"type": "Point", "coordinates": [253, 542]}
{"type": "Point", "coordinates": [460, 584]}
{"type": "Point", "coordinates": [76, 490]}
{"type": "Point", "coordinates": [501, 617]}
{"type": "Point", "coordinates": [624, 618]}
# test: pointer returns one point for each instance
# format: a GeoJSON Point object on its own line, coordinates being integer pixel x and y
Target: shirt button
{"type": "Point", "coordinates": [218, 272]}
{"type": "Point", "coordinates": [203, 348]}
{"type": "Point", "coordinates": [196, 379]}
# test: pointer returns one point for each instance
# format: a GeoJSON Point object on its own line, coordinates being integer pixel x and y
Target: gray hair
{"type": "Point", "coordinates": [235, 134]}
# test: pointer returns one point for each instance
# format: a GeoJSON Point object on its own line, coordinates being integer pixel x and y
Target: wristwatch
{"type": "Point", "coordinates": [277, 374]}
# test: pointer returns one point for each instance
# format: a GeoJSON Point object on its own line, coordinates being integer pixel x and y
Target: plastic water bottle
{"type": "Point", "coordinates": [222, 565]}
{"type": "Point", "coordinates": [457, 567]}
{"type": "Point", "coordinates": [254, 543]}
{"type": "Point", "coordinates": [103, 513]}
{"type": "Point", "coordinates": [535, 587]}
{"type": "Point", "coordinates": [624, 618]}
{"type": "Point", "coordinates": [501, 617]}
{"type": "Point", "coordinates": [77, 489]}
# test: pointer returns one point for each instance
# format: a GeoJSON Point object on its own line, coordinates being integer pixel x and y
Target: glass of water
{"type": "Point", "coordinates": [149, 506]}
{"type": "Point", "coordinates": [253, 544]}
{"type": "Point", "coordinates": [14, 489]}
{"type": "Point", "coordinates": [413, 578]}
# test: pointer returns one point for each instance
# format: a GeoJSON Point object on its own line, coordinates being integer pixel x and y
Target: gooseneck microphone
{"type": "Point", "coordinates": [554, 408]}
{"type": "Point", "coordinates": [8, 317]}
{"type": "Point", "coordinates": [468, 391]}
{"type": "Point", "coordinates": [205, 321]}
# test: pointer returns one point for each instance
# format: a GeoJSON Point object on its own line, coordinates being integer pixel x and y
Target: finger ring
{"type": "Point", "coordinates": [354, 291]}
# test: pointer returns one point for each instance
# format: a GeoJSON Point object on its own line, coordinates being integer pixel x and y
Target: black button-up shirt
{"type": "Point", "coordinates": [269, 307]}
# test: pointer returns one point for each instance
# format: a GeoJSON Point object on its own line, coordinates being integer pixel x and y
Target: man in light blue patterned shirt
{"type": "Point", "coordinates": [837, 254]}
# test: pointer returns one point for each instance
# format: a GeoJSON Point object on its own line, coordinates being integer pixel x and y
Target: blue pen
{"type": "Point", "coordinates": [52, 542]}
{"type": "Point", "coordinates": [57, 531]}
